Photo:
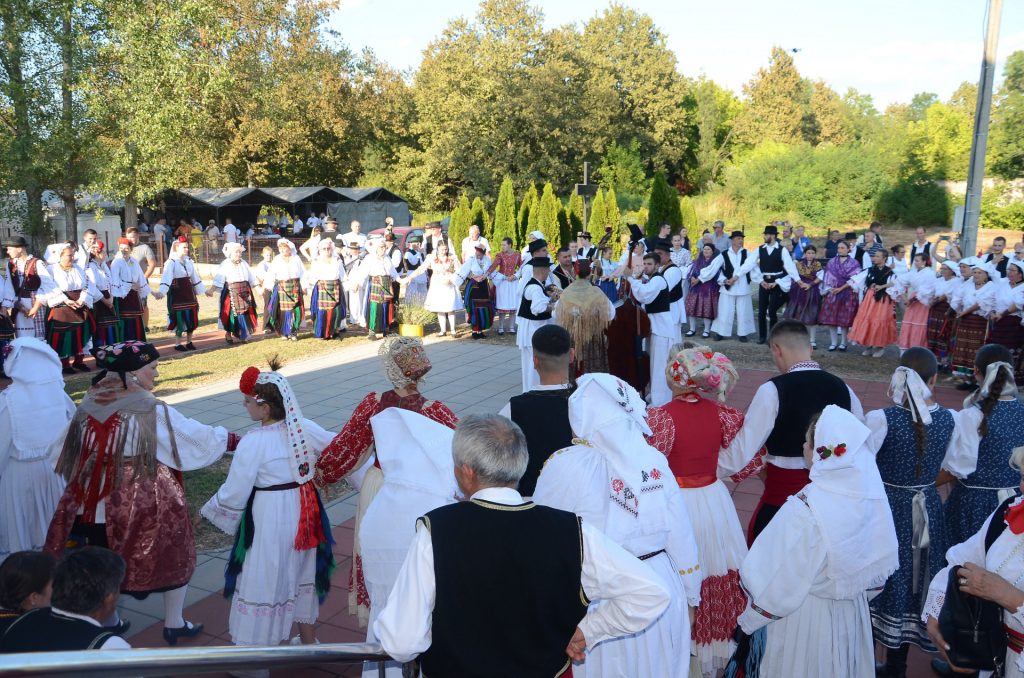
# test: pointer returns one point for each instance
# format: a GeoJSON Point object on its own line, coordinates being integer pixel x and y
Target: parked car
{"type": "Point", "coordinates": [402, 234]}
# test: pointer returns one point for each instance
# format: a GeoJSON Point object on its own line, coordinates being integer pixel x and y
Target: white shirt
{"type": "Point", "coordinates": [348, 238]}
{"type": "Point", "coordinates": [61, 281]}
{"type": "Point", "coordinates": [469, 247]}
{"type": "Point", "coordinates": [740, 288]}
{"type": "Point", "coordinates": [663, 324]}
{"type": "Point", "coordinates": [127, 275]}
{"type": "Point", "coordinates": [631, 595]}
{"type": "Point", "coordinates": [297, 226]}
{"type": "Point", "coordinates": [230, 233]}
{"type": "Point", "coordinates": [112, 643]}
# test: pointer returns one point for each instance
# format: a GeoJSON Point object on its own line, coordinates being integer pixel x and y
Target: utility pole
{"type": "Point", "coordinates": [976, 171]}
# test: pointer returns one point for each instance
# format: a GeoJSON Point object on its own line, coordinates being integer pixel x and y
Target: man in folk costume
{"type": "Point", "coordinates": [375, 274]}
{"type": "Point", "coordinates": [734, 301]}
{"type": "Point", "coordinates": [394, 253]}
{"type": "Point", "coordinates": [180, 282]}
{"type": "Point", "coordinates": [7, 302]}
{"type": "Point", "coordinates": [122, 459]}
{"type": "Point", "coordinates": [287, 306]}
{"type": "Point", "coordinates": [69, 324]}
{"type": "Point", "coordinates": [542, 413]}
{"type": "Point", "coordinates": [829, 550]}
{"type": "Point", "coordinates": [237, 307]}
{"type": "Point", "coordinates": [774, 266]}
{"type": "Point", "coordinates": [779, 414]}
{"type": "Point", "coordinates": [622, 486]}
{"type": "Point", "coordinates": [479, 307]}
{"type": "Point", "coordinates": [674, 277]}
{"type": "Point", "coordinates": [279, 570]}
{"type": "Point", "coordinates": [414, 257]}
{"type": "Point", "coordinates": [352, 454]}
{"type": "Point", "coordinates": [586, 249]}
{"type": "Point", "coordinates": [351, 257]}
{"type": "Point", "coordinates": [130, 289]}
{"type": "Point", "coordinates": [415, 456]}
{"type": "Point", "coordinates": [537, 248]}
{"type": "Point", "coordinates": [585, 311]}
{"type": "Point", "coordinates": [535, 305]}
{"type": "Point", "coordinates": [565, 272]}
{"type": "Point", "coordinates": [325, 280]}
{"type": "Point", "coordinates": [437, 613]}
{"type": "Point", "coordinates": [653, 291]}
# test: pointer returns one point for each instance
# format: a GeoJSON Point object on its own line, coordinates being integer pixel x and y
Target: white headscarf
{"type": "Point", "coordinates": [847, 499]}
{"type": "Point", "coordinates": [36, 394]}
{"type": "Point", "coordinates": [230, 247]}
{"type": "Point", "coordinates": [300, 458]}
{"type": "Point", "coordinates": [953, 267]}
{"type": "Point", "coordinates": [906, 384]}
{"type": "Point", "coordinates": [290, 244]}
{"type": "Point", "coordinates": [993, 273]}
{"type": "Point", "coordinates": [1009, 386]}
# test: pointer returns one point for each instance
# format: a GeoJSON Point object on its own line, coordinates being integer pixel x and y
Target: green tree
{"type": "Point", "coordinates": [662, 206]}
{"type": "Point", "coordinates": [612, 215]}
{"type": "Point", "coordinates": [505, 216]}
{"type": "Point", "coordinates": [574, 213]}
{"type": "Point", "coordinates": [458, 227]}
{"type": "Point", "coordinates": [479, 216]}
{"type": "Point", "coordinates": [715, 111]}
{"type": "Point", "coordinates": [623, 168]}
{"type": "Point", "coordinates": [827, 115]}
{"type": "Point", "coordinates": [778, 102]}
{"type": "Point", "coordinates": [547, 218]}
{"type": "Point", "coordinates": [691, 225]}
{"type": "Point", "coordinates": [1006, 145]}
{"type": "Point", "coordinates": [529, 203]}
{"type": "Point", "coordinates": [598, 216]}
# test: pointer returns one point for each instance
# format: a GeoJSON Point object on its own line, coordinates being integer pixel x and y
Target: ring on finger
{"type": "Point", "coordinates": [963, 581]}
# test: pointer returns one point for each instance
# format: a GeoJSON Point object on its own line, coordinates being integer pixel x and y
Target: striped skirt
{"type": "Point", "coordinates": [969, 335]}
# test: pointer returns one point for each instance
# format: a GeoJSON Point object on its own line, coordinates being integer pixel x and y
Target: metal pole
{"type": "Point", "coordinates": [586, 207]}
{"type": "Point", "coordinates": [976, 171]}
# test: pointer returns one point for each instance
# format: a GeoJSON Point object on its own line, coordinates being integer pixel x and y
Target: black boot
{"type": "Point", "coordinates": [895, 665]}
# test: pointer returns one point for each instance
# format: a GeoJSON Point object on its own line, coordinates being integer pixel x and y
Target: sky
{"type": "Point", "coordinates": [890, 49]}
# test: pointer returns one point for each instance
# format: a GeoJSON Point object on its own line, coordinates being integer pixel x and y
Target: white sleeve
{"type": "Point", "coordinates": [538, 300]}
{"type": "Point", "coordinates": [757, 426]}
{"type": "Point", "coordinates": [876, 421]}
{"type": "Point", "coordinates": [856, 409]}
{"type": "Point", "coordinates": [115, 643]}
{"type": "Point", "coordinates": [198, 445]}
{"type": "Point", "coordinates": [7, 297]}
{"type": "Point", "coordinates": [962, 454]}
{"type": "Point", "coordinates": [197, 282]}
{"type": "Point", "coordinates": [749, 265]}
{"type": "Point", "coordinates": [506, 411]}
{"type": "Point", "coordinates": [712, 269]}
{"type": "Point", "coordinates": [219, 277]}
{"type": "Point", "coordinates": [789, 266]}
{"type": "Point", "coordinates": [403, 627]}
{"type": "Point", "coordinates": [646, 292]}
{"type": "Point", "coordinates": [631, 594]}
{"type": "Point", "coordinates": [226, 508]}
{"type": "Point", "coordinates": [970, 551]}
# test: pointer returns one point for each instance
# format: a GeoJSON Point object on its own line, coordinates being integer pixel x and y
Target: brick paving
{"type": "Point", "coordinates": [328, 388]}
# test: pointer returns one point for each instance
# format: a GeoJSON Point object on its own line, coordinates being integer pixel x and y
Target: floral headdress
{"type": "Point", "coordinates": [702, 369]}
{"type": "Point", "coordinates": [302, 461]}
{"type": "Point", "coordinates": [404, 360]}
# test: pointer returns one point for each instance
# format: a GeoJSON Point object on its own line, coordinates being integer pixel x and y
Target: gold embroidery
{"type": "Point", "coordinates": [582, 441]}
{"type": "Point", "coordinates": [583, 597]}
{"type": "Point", "coordinates": [502, 507]}
{"type": "Point", "coordinates": [690, 570]}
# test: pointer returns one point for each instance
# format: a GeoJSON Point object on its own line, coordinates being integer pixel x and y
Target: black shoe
{"type": "Point", "coordinates": [762, 341]}
{"type": "Point", "coordinates": [67, 371]}
{"type": "Point", "coordinates": [120, 628]}
{"type": "Point", "coordinates": [190, 346]}
{"type": "Point", "coordinates": [743, 339]}
{"type": "Point", "coordinates": [716, 336]}
{"type": "Point", "coordinates": [81, 367]}
{"type": "Point", "coordinates": [189, 630]}
{"type": "Point", "coordinates": [179, 347]}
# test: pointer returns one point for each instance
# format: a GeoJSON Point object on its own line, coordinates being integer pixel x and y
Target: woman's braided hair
{"type": "Point", "coordinates": [922, 361]}
{"type": "Point", "coordinates": [988, 354]}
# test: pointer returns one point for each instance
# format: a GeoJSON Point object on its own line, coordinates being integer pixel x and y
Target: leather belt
{"type": "Point", "coordinates": [279, 488]}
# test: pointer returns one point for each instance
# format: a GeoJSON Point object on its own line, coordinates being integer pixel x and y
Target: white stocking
{"type": "Point", "coordinates": [174, 605]}
{"type": "Point", "coordinates": [832, 333]}
{"type": "Point", "coordinates": [451, 322]}
{"type": "Point", "coordinates": [442, 321]}
{"type": "Point", "coordinates": [813, 329]}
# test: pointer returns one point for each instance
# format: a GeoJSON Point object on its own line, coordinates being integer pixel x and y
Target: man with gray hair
{"type": "Point", "coordinates": [500, 586]}
{"type": "Point", "coordinates": [720, 238]}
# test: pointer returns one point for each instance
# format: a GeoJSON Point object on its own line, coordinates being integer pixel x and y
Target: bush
{"type": "Point", "coordinates": [414, 314]}
{"type": "Point", "coordinates": [914, 202]}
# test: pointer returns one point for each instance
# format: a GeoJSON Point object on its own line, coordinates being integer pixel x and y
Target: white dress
{"type": "Point", "coordinates": [277, 584]}
{"type": "Point", "coordinates": [443, 294]}
{"type": "Point", "coordinates": [416, 290]}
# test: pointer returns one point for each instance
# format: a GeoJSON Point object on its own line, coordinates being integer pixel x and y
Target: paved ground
{"type": "Point", "coordinates": [469, 377]}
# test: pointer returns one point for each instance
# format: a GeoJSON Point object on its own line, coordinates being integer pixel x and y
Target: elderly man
{"type": "Point", "coordinates": [469, 243]}
{"type": "Point", "coordinates": [353, 236]}
{"type": "Point", "coordinates": [719, 239]}
{"type": "Point", "coordinates": [499, 586]}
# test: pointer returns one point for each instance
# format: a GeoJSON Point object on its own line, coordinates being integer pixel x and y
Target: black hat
{"type": "Point", "coordinates": [540, 262]}
{"type": "Point", "coordinates": [414, 239]}
{"type": "Point", "coordinates": [736, 234]}
{"type": "Point", "coordinates": [771, 230]}
{"type": "Point", "coordinates": [124, 357]}
{"type": "Point", "coordinates": [331, 220]}
{"type": "Point", "coordinates": [432, 224]}
{"type": "Point", "coordinates": [16, 241]}
{"type": "Point", "coordinates": [661, 244]}
{"type": "Point", "coordinates": [536, 245]}
{"type": "Point", "coordinates": [636, 234]}
{"type": "Point", "coordinates": [584, 235]}
{"type": "Point", "coordinates": [850, 236]}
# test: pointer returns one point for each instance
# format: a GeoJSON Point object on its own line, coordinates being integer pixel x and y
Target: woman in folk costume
{"type": "Point", "coordinates": [122, 459]}
{"type": "Point", "coordinates": [874, 328]}
{"type": "Point", "coordinates": [702, 297]}
{"type": "Point", "coordinates": [990, 566]}
{"type": "Point", "coordinates": [279, 570]}
{"type": "Point", "coordinates": [443, 294]}
{"type": "Point", "coordinates": [912, 443]}
{"type": "Point", "coordinates": [941, 316]}
{"type": "Point", "coordinates": [7, 302]}
{"type": "Point", "coordinates": [237, 308]}
{"type": "Point", "coordinates": [29, 489]}
{"type": "Point", "coordinates": [287, 307]}
{"type": "Point", "coordinates": [69, 325]}
{"type": "Point", "coordinates": [503, 274]}
{"type": "Point", "coordinates": [692, 431]}
{"type": "Point", "coordinates": [375, 274]}
{"type": "Point", "coordinates": [181, 283]}
{"type": "Point", "coordinates": [839, 300]}
{"type": "Point", "coordinates": [130, 288]}
{"type": "Point", "coordinates": [804, 302]}
{"type": "Point", "coordinates": [1006, 328]}
{"type": "Point", "coordinates": [405, 363]}
{"type": "Point", "coordinates": [914, 289]}
{"type": "Point", "coordinates": [810, 573]}
{"type": "Point", "coordinates": [991, 426]}
{"type": "Point", "coordinates": [618, 483]}
{"type": "Point", "coordinates": [415, 457]}
{"type": "Point", "coordinates": [585, 311]}
{"type": "Point", "coordinates": [606, 280]}
{"type": "Point", "coordinates": [416, 292]}
{"type": "Point", "coordinates": [974, 304]}
{"type": "Point", "coordinates": [479, 307]}
{"type": "Point", "coordinates": [327, 298]}
{"type": "Point", "coordinates": [108, 323]}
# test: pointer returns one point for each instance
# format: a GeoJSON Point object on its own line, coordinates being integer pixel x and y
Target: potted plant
{"type": "Point", "coordinates": [412, 318]}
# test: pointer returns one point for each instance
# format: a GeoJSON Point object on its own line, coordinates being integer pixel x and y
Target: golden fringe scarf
{"type": "Point", "coordinates": [583, 311]}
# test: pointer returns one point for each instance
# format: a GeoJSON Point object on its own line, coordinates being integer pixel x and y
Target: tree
{"type": "Point", "coordinates": [613, 217]}
{"type": "Point", "coordinates": [505, 216]}
{"type": "Point", "coordinates": [715, 110]}
{"type": "Point", "coordinates": [623, 168]}
{"type": "Point", "coordinates": [479, 216]}
{"type": "Point", "coordinates": [598, 216]}
{"type": "Point", "coordinates": [690, 224]}
{"type": "Point", "coordinates": [829, 121]}
{"type": "Point", "coordinates": [547, 218]}
{"type": "Point", "coordinates": [778, 102]}
{"type": "Point", "coordinates": [920, 103]}
{"type": "Point", "coordinates": [663, 205]}
{"type": "Point", "coordinates": [1006, 145]}
{"type": "Point", "coordinates": [574, 213]}
{"type": "Point", "coordinates": [529, 203]}
{"type": "Point", "coordinates": [458, 227]}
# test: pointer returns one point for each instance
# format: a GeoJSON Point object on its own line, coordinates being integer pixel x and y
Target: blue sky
{"type": "Point", "coordinates": [890, 49]}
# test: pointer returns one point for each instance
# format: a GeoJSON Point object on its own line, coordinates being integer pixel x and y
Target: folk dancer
{"type": "Point", "coordinates": [680, 252]}
{"type": "Point", "coordinates": [941, 316]}
{"type": "Point", "coordinates": [29, 488]}
{"type": "Point", "coordinates": [416, 292]}
{"type": "Point", "coordinates": [804, 302]}
{"type": "Point", "coordinates": [279, 570]}
{"type": "Point", "coordinates": [139, 513]}
{"type": "Point", "coordinates": [287, 307]}
{"type": "Point", "coordinates": [351, 452]}
{"type": "Point", "coordinates": [108, 327]}
{"type": "Point", "coordinates": [503, 272]}
{"type": "Point", "coordinates": [874, 328]}
{"type": "Point", "coordinates": [830, 549]}
{"type": "Point", "coordinates": [144, 256]}
{"type": "Point", "coordinates": [701, 297]}
{"type": "Point", "coordinates": [265, 289]}
{"type": "Point", "coordinates": [130, 290]}
{"type": "Point", "coordinates": [734, 302]}
{"type": "Point", "coordinates": [536, 248]}
{"type": "Point", "coordinates": [565, 271]}
{"type": "Point", "coordinates": [351, 257]}
{"type": "Point", "coordinates": [27, 274]}
{"type": "Point", "coordinates": [374, 275]}
{"type": "Point", "coordinates": [1006, 318]}
{"type": "Point", "coordinates": [779, 415]}
{"type": "Point", "coordinates": [914, 289]}
{"type": "Point", "coordinates": [614, 480]}
{"type": "Point", "coordinates": [393, 252]}
{"type": "Point", "coordinates": [774, 264]}
{"type": "Point", "coordinates": [921, 245]}
{"type": "Point", "coordinates": [443, 293]}
{"type": "Point", "coordinates": [69, 324]}
{"type": "Point", "coordinates": [974, 303]}
{"type": "Point", "coordinates": [839, 301]}
{"type": "Point", "coordinates": [237, 307]}
{"type": "Point", "coordinates": [180, 282]}
{"type": "Point", "coordinates": [652, 290]}
{"type": "Point", "coordinates": [535, 306]}
{"type": "Point", "coordinates": [325, 280]}
{"type": "Point", "coordinates": [477, 296]}
{"type": "Point", "coordinates": [585, 311]}
{"type": "Point", "coordinates": [7, 302]}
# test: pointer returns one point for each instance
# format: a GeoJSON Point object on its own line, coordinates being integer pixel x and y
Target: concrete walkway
{"type": "Point", "coordinates": [467, 376]}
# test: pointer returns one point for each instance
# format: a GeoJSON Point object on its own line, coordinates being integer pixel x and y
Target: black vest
{"type": "Point", "coordinates": [676, 292]}
{"type": "Point", "coordinates": [41, 630]}
{"type": "Point", "coordinates": [727, 263]}
{"type": "Point", "coordinates": [562, 277]}
{"type": "Point", "coordinates": [796, 407]}
{"type": "Point", "coordinates": [1001, 266]}
{"type": "Point", "coordinates": [926, 251]}
{"type": "Point", "coordinates": [770, 263]}
{"type": "Point", "coordinates": [544, 418]}
{"type": "Point", "coordinates": [661, 302]}
{"type": "Point", "coordinates": [524, 304]}
{"type": "Point", "coordinates": [508, 590]}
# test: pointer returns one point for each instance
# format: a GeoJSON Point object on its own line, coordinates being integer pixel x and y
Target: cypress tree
{"type": "Point", "coordinates": [505, 217]}
{"type": "Point", "coordinates": [575, 214]}
{"type": "Point", "coordinates": [547, 219]}
{"type": "Point", "coordinates": [663, 205]}
{"type": "Point", "coordinates": [479, 216]}
{"type": "Point", "coordinates": [530, 201]}
{"type": "Point", "coordinates": [614, 218]}
{"type": "Point", "coordinates": [458, 229]}
{"type": "Point", "coordinates": [598, 217]}
{"type": "Point", "coordinates": [690, 224]}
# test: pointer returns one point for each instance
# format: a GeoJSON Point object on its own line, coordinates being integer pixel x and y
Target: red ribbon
{"type": "Point", "coordinates": [1015, 517]}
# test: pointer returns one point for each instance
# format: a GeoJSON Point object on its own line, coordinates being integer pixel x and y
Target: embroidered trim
{"type": "Point", "coordinates": [615, 498]}
{"type": "Point", "coordinates": [580, 441]}
{"type": "Point", "coordinates": [502, 507]}
{"type": "Point", "coordinates": [804, 365]}
{"type": "Point", "coordinates": [652, 488]}
{"type": "Point", "coordinates": [426, 522]}
{"type": "Point", "coordinates": [764, 613]}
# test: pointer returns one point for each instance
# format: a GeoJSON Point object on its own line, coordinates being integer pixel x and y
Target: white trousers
{"type": "Point", "coordinates": [530, 377]}
{"type": "Point", "coordinates": [658, 347]}
{"type": "Point", "coordinates": [739, 307]}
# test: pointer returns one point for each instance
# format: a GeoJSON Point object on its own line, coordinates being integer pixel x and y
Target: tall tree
{"type": "Point", "coordinates": [505, 216]}
{"type": "Point", "coordinates": [598, 216]}
{"type": "Point", "coordinates": [827, 115]}
{"type": "Point", "coordinates": [458, 227]}
{"type": "Point", "coordinates": [623, 168]}
{"type": "Point", "coordinates": [663, 205]}
{"type": "Point", "coordinates": [528, 205]}
{"type": "Point", "coordinates": [613, 217]}
{"type": "Point", "coordinates": [778, 101]}
{"type": "Point", "coordinates": [715, 112]}
{"type": "Point", "coordinates": [547, 218]}
{"type": "Point", "coordinates": [574, 213]}
{"type": "Point", "coordinates": [1006, 149]}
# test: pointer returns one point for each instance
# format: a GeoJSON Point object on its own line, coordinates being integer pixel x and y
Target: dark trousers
{"type": "Point", "coordinates": [768, 304]}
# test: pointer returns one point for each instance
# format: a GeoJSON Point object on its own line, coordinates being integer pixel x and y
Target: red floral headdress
{"type": "Point", "coordinates": [247, 384]}
{"type": "Point", "coordinates": [826, 452]}
{"type": "Point", "coordinates": [182, 238]}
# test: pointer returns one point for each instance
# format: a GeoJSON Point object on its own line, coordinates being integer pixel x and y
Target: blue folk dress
{"type": "Point", "coordinates": [910, 480]}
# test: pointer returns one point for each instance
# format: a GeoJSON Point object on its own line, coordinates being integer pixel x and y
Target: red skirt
{"type": "Point", "coordinates": [875, 324]}
{"type": "Point", "coordinates": [940, 328]}
{"type": "Point", "coordinates": [914, 330]}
